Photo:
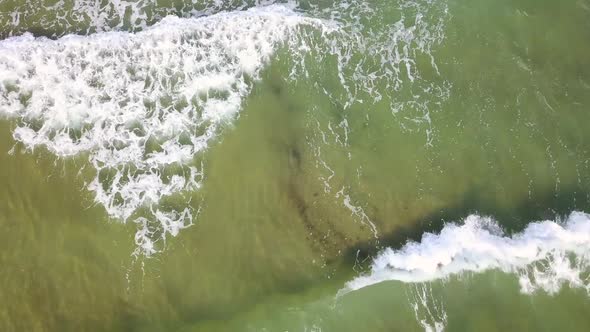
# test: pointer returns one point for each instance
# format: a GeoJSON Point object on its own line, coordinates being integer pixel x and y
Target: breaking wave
{"type": "Point", "coordinates": [545, 256]}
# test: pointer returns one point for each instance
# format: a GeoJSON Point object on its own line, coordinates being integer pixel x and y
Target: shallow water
{"type": "Point", "coordinates": [243, 166]}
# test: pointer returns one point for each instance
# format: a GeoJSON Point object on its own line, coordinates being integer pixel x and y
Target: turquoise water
{"type": "Point", "coordinates": [261, 166]}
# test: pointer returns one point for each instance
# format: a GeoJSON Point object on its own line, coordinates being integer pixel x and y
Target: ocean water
{"type": "Point", "coordinates": [330, 165]}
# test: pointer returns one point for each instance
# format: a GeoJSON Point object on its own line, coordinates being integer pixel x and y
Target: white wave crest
{"type": "Point", "coordinates": [545, 256]}
{"type": "Point", "coordinates": [144, 104]}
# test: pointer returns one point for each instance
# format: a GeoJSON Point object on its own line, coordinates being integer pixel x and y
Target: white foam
{"type": "Point", "coordinates": [388, 61]}
{"type": "Point", "coordinates": [428, 309]}
{"type": "Point", "coordinates": [546, 255]}
{"type": "Point", "coordinates": [88, 16]}
{"type": "Point", "coordinates": [144, 104]}
{"type": "Point", "coordinates": [356, 211]}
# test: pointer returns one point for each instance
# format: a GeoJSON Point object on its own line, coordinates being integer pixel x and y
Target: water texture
{"type": "Point", "coordinates": [294, 165]}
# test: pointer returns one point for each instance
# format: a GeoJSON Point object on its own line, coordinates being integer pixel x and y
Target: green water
{"type": "Point", "coordinates": [498, 126]}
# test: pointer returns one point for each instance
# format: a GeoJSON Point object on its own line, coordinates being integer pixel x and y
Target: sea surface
{"type": "Point", "coordinates": [327, 165]}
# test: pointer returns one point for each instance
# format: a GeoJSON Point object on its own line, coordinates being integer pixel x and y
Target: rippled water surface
{"type": "Point", "coordinates": [294, 165]}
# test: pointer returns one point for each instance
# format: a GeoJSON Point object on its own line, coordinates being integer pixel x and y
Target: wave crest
{"type": "Point", "coordinates": [545, 256]}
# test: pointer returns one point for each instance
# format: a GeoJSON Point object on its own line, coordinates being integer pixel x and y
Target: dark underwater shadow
{"type": "Point", "coordinates": [547, 206]}
{"type": "Point", "coordinates": [357, 258]}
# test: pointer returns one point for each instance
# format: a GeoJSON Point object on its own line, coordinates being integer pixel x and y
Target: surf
{"type": "Point", "coordinates": [143, 104]}
{"type": "Point", "coordinates": [545, 256]}
{"type": "Point", "coordinates": [146, 105]}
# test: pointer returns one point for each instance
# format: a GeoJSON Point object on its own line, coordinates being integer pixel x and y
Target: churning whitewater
{"type": "Point", "coordinates": [145, 105]}
{"type": "Point", "coordinates": [297, 139]}
{"type": "Point", "coordinates": [142, 104]}
{"type": "Point", "coordinates": [545, 256]}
